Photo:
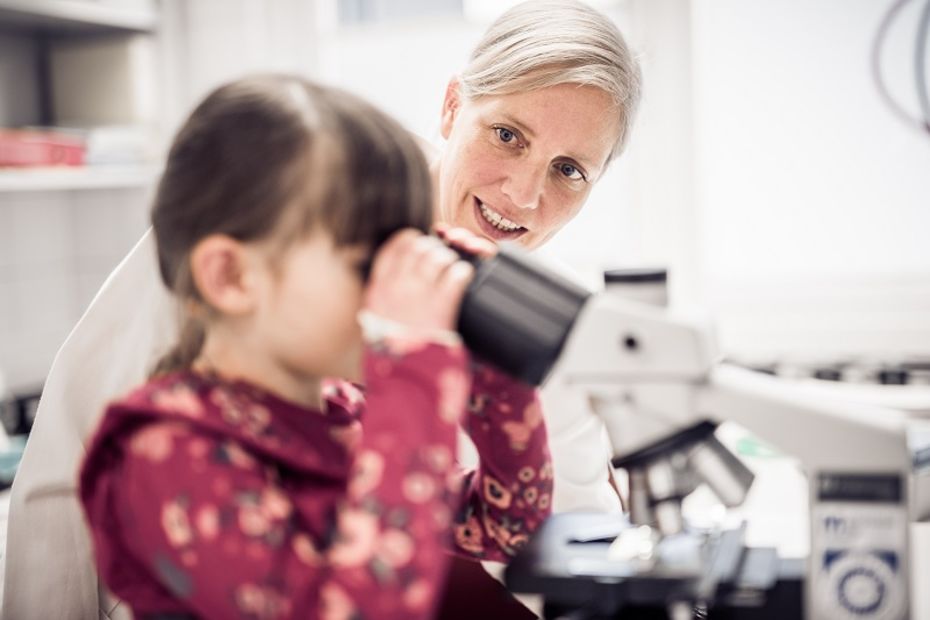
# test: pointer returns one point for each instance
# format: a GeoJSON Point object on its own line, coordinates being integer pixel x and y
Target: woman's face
{"type": "Point", "coordinates": [520, 166]}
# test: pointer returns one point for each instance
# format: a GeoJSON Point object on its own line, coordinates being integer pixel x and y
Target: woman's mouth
{"type": "Point", "coordinates": [495, 225]}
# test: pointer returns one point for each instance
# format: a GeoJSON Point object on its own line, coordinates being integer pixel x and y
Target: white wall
{"type": "Point", "coordinates": [812, 197]}
{"type": "Point", "coordinates": [56, 249]}
{"type": "Point", "coordinates": [208, 42]}
{"type": "Point", "coordinates": [663, 216]}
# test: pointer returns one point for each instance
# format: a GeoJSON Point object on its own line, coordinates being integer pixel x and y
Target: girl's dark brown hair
{"type": "Point", "coordinates": [271, 157]}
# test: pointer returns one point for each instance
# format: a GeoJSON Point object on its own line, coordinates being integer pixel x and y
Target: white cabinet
{"type": "Point", "coordinates": [91, 64]}
{"type": "Point", "coordinates": [81, 64]}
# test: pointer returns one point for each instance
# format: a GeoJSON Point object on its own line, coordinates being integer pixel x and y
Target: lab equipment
{"type": "Point", "coordinates": [517, 315]}
{"type": "Point", "coordinates": [654, 377]}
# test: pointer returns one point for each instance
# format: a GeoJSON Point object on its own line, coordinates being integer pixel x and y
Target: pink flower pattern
{"type": "Point", "coordinates": [306, 550]}
{"type": "Point", "coordinates": [395, 548]}
{"type": "Point", "coordinates": [495, 494]}
{"type": "Point", "coordinates": [453, 389]}
{"type": "Point", "coordinates": [179, 398]}
{"type": "Point", "coordinates": [335, 604]}
{"type": "Point", "coordinates": [356, 535]}
{"type": "Point", "coordinates": [156, 442]}
{"type": "Point", "coordinates": [175, 524]}
{"type": "Point", "coordinates": [366, 476]}
{"type": "Point", "coordinates": [503, 417]}
{"type": "Point", "coordinates": [469, 536]}
{"type": "Point", "coordinates": [243, 505]}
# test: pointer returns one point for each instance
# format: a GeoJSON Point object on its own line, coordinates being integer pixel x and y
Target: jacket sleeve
{"type": "Point", "coordinates": [581, 452]}
{"type": "Point", "coordinates": [219, 530]}
{"type": "Point", "coordinates": [509, 494]}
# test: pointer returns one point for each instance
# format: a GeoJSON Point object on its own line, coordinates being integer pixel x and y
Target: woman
{"type": "Point", "coordinates": [545, 103]}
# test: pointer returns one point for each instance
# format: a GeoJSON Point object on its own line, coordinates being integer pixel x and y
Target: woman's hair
{"type": "Point", "coordinates": [543, 43]}
{"type": "Point", "coordinates": [271, 158]}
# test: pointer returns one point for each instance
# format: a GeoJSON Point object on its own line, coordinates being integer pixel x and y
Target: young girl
{"type": "Point", "coordinates": [241, 482]}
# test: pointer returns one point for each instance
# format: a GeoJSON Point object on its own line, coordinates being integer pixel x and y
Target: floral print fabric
{"type": "Point", "coordinates": [221, 500]}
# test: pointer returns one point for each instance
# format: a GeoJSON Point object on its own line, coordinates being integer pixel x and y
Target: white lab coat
{"type": "Point", "coordinates": [130, 324]}
{"type": "Point", "coordinates": [49, 565]}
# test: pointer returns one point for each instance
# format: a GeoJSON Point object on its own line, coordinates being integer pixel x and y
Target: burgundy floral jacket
{"type": "Point", "coordinates": [218, 499]}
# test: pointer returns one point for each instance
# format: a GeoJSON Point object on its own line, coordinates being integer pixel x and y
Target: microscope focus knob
{"type": "Point", "coordinates": [864, 586]}
{"type": "Point", "coordinates": [861, 590]}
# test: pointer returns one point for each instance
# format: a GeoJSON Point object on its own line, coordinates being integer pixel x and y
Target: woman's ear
{"type": "Point", "coordinates": [222, 269]}
{"type": "Point", "coordinates": [450, 107]}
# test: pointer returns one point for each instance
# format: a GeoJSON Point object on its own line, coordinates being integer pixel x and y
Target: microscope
{"type": "Point", "coordinates": [655, 378]}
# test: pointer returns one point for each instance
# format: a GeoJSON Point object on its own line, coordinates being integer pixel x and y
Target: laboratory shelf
{"type": "Point", "coordinates": [76, 178]}
{"type": "Point", "coordinates": [87, 16]}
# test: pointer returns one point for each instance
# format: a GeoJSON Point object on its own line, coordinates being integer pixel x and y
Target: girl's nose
{"type": "Point", "coordinates": [524, 185]}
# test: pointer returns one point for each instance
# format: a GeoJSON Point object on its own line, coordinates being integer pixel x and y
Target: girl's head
{"type": "Point", "coordinates": [546, 102]}
{"type": "Point", "coordinates": [274, 183]}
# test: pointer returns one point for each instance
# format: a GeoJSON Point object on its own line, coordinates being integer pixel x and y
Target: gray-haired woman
{"type": "Point", "coordinates": [544, 105]}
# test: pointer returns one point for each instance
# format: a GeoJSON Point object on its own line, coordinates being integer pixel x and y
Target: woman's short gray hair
{"type": "Point", "coordinates": [543, 43]}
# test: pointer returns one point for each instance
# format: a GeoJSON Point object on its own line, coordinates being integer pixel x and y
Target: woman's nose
{"type": "Point", "coordinates": [524, 185]}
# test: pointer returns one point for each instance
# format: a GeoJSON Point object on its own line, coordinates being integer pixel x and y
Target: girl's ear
{"type": "Point", "coordinates": [450, 107]}
{"type": "Point", "coordinates": [223, 272]}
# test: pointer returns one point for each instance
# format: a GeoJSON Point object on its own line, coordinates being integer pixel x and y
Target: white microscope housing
{"type": "Point", "coordinates": [654, 378]}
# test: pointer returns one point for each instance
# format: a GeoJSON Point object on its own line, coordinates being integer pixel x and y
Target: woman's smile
{"type": "Point", "coordinates": [494, 225]}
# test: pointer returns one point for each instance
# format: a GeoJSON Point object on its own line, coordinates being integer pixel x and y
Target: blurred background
{"type": "Point", "coordinates": [768, 171]}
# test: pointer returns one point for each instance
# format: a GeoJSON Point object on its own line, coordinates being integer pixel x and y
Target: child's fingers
{"type": "Point", "coordinates": [430, 259]}
{"type": "Point", "coordinates": [436, 259]}
{"type": "Point", "coordinates": [412, 254]}
{"type": "Point", "coordinates": [418, 281]}
{"type": "Point", "coordinates": [454, 281]}
{"type": "Point", "coordinates": [415, 257]}
{"type": "Point", "coordinates": [390, 257]}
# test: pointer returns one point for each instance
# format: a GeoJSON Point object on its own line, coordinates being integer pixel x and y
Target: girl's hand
{"type": "Point", "coordinates": [417, 282]}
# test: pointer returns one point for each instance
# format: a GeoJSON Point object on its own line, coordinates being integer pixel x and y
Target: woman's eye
{"type": "Point", "coordinates": [571, 172]}
{"type": "Point", "coordinates": [505, 134]}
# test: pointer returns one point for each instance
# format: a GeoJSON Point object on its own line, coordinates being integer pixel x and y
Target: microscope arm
{"type": "Point", "coordinates": [822, 434]}
{"type": "Point", "coordinates": [650, 372]}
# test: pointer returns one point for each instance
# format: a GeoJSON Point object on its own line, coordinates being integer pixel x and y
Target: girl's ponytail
{"type": "Point", "coordinates": [183, 354]}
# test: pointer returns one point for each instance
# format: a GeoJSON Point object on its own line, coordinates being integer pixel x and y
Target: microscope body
{"type": "Point", "coordinates": [654, 378]}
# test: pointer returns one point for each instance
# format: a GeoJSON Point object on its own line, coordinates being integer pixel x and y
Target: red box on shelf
{"type": "Point", "coordinates": [39, 148]}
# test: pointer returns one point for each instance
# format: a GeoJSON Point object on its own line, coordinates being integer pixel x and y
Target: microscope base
{"type": "Point", "coordinates": [567, 562]}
